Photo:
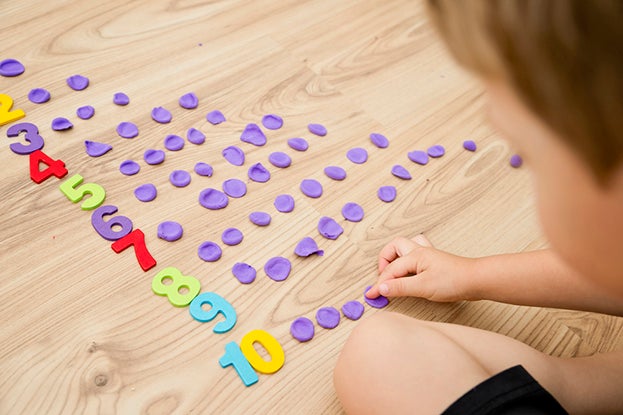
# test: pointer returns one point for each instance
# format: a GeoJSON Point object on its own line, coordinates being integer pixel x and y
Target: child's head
{"type": "Point", "coordinates": [554, 74]}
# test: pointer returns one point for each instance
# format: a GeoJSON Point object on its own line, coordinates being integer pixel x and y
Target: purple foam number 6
{"type": "Point", "coordinates": [106, 229]}
{"type": "Point", "coordinates": [32, 136]}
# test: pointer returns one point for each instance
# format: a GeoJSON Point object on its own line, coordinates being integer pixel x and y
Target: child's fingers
{"type": "Point", "coordinates": [397, 248]}
{"type": "Point", "coordinates": [403, 287]}
{"type": "Point", "coordinates": [422, 240]}
{"type": "Point", "coordinates": [398, 268]}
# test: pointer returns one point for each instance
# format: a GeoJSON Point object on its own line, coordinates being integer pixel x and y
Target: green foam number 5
{"type": "Point", "coordinates": [76, 194]}
{"type": "Point", "coordinates": [178, 282]}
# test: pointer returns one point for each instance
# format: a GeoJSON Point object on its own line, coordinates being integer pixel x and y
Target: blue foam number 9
{"type": "Point", "coordinates": [219, 305]}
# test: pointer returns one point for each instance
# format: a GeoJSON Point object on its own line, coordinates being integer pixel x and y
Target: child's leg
{"type": "Point", "coordinates": [395, 364]}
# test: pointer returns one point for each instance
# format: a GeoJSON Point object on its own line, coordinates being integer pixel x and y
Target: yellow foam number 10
{"type": "Point", "coordinates": [6, 115]}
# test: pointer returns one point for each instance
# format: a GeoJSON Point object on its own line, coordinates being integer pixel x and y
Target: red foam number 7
{"type": "Point", "coordinates": [136, 238]}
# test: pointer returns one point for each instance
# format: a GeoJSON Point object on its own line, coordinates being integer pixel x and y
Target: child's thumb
{"type": "Point", "coordinates": [421, 240]}
{"type": "Point", "coordinates": [400, 287]}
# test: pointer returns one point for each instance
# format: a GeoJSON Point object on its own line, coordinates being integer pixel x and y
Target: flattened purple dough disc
{"type": "Point", "coordinates": [11, 67]}
{"type": "Point", "coordinates": [378, 302]}
{"type": "Point", "coordinates": [278, 268]}
{"type": "Point", "coordinates": [387, 193]}
{"type": "Point", "coordinates": [284, 203]}
{"type": "Point", "coordinates": [302, 329]}
{"type": "Point", "coordinates": [328, 317]}
{"type": "Point", "coordinates": [259, 173]}
{"type": "Point", "coordinates": [215, 117]}
{"type": "Point", "coordinates": [232, 236]}
{"type": "Point", "coordinates": [352, 212]}
{"type": "Point", "coordinates": [245, 273]}
{"type": "Point", "coordinates": [335, 172]}
{"type": "Point", "coordinates": [189, 101]}
{"type": "Point", "coordinates": [170, 231]}
{"type": "Point", "coordinates": [357, 155]}
{"type": "Point", "coordinates": [253, 134]}
{"type": "Point", "coordinates": [179, 178]}
{"type": "Point", "coordinates": [173, 142]}
{"type": "Point", "coordinates": [234, 188]}
{"type": "Point", "coordinates": [213, 199]}
{"type": "Point", "coordinates": [516, 161]}
{"type": "Point", "coordinates": [401, 172]}
{"type": "Point", "coordinates": [161, 115]}
{"type": "Point", "coordinates": [436, 151]}
{"type": "Point", "coordinates": [469, 145]}
{"type": "Point", "coordinates": [280, 159]}
{"type": "Point", "coordinates": [317, 129]}
{"type": "Point", "coordinates": [39, 95]}
{"type": "Point", "coordinates": [329, 228]}
{"type": "Point", "coordinates": [379, 140]}
{"type": "Point", "coordinates": [306, 247]}
{"type": "Point", "coordinates": [353, 310]}
{"type": "Point", "coordinates": [78, 82]}
{"type": "Point", "coordinates": [260, 218]}
{"type": "Point", "coordinates": [153, 157]}
{"type": "Point", "coordinates": [85, 112]}
{"type": "Point", "coordinates": [419, 157]}
{"type": "Point", "coordinates": [204, 169]}
{"type": "Point", "coordinates": [129, 167]}
{"type": "Point", "coordinates": [146, 192]}
{"type": "Point", "coordinates": [234, 155]}
{"type": "Point", "coordinates": [95, 149]}
{"type": "Point", "coordinates": [60, 124]}
{"type": "Point", "coordinates": [209, 251]}
{"type": "Point", "coordinates": [298, 144]}
{"type": "Point", "coordinates": [272, 121]}
{"type": "Point", "coordinates": [311, 188]}
{"type": "Point", "coordinates": [120, 99]}
{"type": "Point", "coordinates": [195, 136]}
{"type": "Point", "coordinates": [127, 130]}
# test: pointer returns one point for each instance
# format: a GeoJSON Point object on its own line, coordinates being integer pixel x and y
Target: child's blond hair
{"type": "Point", "coordinates": [563, 58]}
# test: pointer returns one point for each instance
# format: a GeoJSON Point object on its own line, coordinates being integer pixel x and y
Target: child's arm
{"type": "Point", "coordinates": [537, 278]}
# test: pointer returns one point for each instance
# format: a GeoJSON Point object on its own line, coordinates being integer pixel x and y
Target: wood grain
{"type": "Point", "coordinates": [82, 331]}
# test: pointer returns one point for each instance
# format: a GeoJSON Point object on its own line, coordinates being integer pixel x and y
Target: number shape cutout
{"type": "Point", "coordinates": [219, 305]}
{"type": "Point", "coordinates": [269, 343]}
{"type": "Point", "coordinates": [172, 291]}
{"type": "Point", "coordinates": [32, 136]}
{"type": "Point", "coordinates": [6, 115]}
{"type": "Point", "coordinates": [76, 194]}
{"type": "Point", "coordinates": [136, 238]}
{"type": "Point", "coordinates": [233, 357]}
{"type": "Point", "coordinates": [55, 167]}
{"type": "Point", "coordinates": [105, 228]}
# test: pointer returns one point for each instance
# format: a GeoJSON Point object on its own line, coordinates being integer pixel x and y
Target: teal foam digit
{"type": "Point", "coordinates": [219, 305]}
{"type": "Point", "coordinates": [233, 357]}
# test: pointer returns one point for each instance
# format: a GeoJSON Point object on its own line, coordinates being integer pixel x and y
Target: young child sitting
{"type": "Point", "coordinates": [553, 73]}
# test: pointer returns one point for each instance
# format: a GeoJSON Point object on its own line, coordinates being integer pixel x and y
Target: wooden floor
{"type": "Point", "coordinates": [82, 331]}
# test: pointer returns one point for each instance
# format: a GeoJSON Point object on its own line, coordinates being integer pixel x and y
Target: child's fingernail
{"type": "Point", "coordinates": [383, 289]}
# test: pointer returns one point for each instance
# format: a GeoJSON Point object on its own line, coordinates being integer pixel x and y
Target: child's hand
{"type": "Point", "coordinates": [414, 268]}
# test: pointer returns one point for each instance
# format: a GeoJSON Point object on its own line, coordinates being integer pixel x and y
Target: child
{"type": "Point", "coordinates": [553, 72]}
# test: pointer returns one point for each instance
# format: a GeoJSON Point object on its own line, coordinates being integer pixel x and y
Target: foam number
{"type": "Point", "coordinates": [76, 194]}
{"type": "Point", "coordinates": [106, 229]}
{"type": "Point", "coordinates": [136, 238]}
{"type": "Point", "coordinates": [6, 115]}
{"type": "Point", "coordinates": [55, 167]}
{"type": "Point", "coordinates": [178, 282]}
{"type": "Point", "coordinates": [233, 357]}
{"type": "Point", "coordinates": [269, 343]}
{"type": "Point", "coordinates": [32, 136]}
{"type": "Point", "coordinates": [218, 305]}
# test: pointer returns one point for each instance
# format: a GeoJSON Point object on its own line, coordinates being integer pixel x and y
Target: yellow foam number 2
{"type": "Point", "coordinates": [172, 290]}
{"type": "Point", "coordinates": [76, 194]}
{"type": "Point", "coordinates": [269, 343]}
{"type": "Point", "coordinates": [6, 115]}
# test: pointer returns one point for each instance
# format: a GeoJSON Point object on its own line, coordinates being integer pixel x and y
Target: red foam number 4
{"type": "Point", "coordinates": [55, 167]}
{"type": "Point", "coordinates": [136, 238]}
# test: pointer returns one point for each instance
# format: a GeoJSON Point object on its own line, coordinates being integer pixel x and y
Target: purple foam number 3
{"type": "Point", "coordinates": [106, 229]}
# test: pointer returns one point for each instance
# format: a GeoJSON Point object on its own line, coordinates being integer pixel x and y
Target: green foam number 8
{"type": "Point", "coordinates": [97, 192]}
{"type": "Point", "coordinates": [172, 291]}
